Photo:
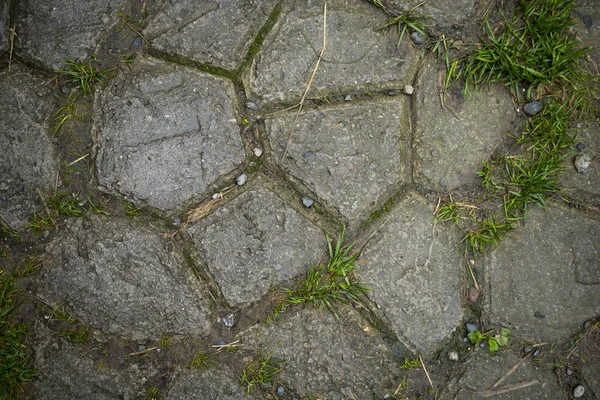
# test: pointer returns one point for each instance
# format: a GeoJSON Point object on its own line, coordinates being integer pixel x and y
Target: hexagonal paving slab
{"type": "Point", "coordinates": [254, 242]}
{"type": "Point", "coordinates": [337, 358]}
{"type": "Point", "coordinates": [165, 133]}
{"type": "Point", "coordinates": [413, 267]}
{"type": "Point", "coordinates": [49, 31]}
{"type": "Point", "coordinates": [349, 155]}
{"type": "Point", "coordinates": [449, 146]}
{"type": "Point", "coordinates": [27, 158]}
{"type": "Point", "coordinates": [559, 251]}
{"type": "Point", "coordinates": [358, 58]}
{"type": "Point", "coordinates": [124, 279]}
{"type": "Point", "coordinates": [227, 28]}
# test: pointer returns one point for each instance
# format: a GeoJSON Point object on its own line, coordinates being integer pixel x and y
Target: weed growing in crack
{"type": "Point", "coordinates": [260, 371]}
{"type": "Point", "coordinates": [84, 75]}
{"type": "Point", "coordinates": [408, 20]}
{"type": "Point", "coordinates": [327, 284]}
{"type": "Point", "coordinates": [66, 113]}
{"type": "Point", "coordinates": [494, 339]}
{"type": "Point", "coordinates": [15, 355]}
{"type": "Point", "coordinates": [203, 361]}
{"type": "Point", "coordinates": [131, 210]}
{"type": "Point", "coordinates": [66, 205]}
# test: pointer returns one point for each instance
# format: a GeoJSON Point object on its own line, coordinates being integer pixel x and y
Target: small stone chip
{"type": "Point", "coordinates": [408, 89]}
{"type": "Point", "coordinates": [579, 391]}
{"type": "Point", "coordinates": [240, 180]}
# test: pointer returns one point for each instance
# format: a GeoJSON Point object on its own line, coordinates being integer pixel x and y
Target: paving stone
{"type": "Point", "coordinates": [543, 282]}
{"type": "Point", "coordinates": [358, 58]}
{"type": "Point", "coordinates": [4, 38]}
{"type": "Point", "coordinates": [587, 17]}
{"type": "Point", "coordinates": [442, 13]}
{"type": "Point", "coordinates": [337, 359]}
{"type": "Point", "coordinates": [164, 133]}
{"type": "Point", "coordinates": [481, 370]}
{"type": "Point", "coordinates": [357, 152]}
{"type": "Point", "coordinates": [254, 242]}
{"type": "Point", "coordinates": [227, 28]}
{"type": "Point", "coordinates": [65, 373]}
{"type": "Point", "coordinates": [216, 384]}
{"type": "Point", "coordinates": [25, 106]}
{"type": "Point", "coordinates": [413, 269]}
{"type": "Point", "coordinates": [49, 31]}
{"type": "Point", "coordinates": [449, 147]}
{"type": "Point", "coordinates": [123, 279]}
{"type": "Point", "coordinates": [589, 182]}
{"type": "Point", "coordinates": [591, 372]}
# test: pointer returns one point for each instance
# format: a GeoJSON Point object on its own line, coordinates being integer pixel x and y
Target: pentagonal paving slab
{"type": "Point", "coordinates": [164, 133]}
{"type": "Point", "coordinates": [350, 156]}
{"type": "Point", "coordinates": [254, 242]}
{"type": "Point", "coordinates": [226, 29]}
{"type": "Point", "coordinates": [413, 266]}
{"type": "Point", "coordinates": [27, 157]}
{"type": "Point", "coordinates": [336, 358]}
{"type": "Point", "coordinates": [124, 279]}
{"type": "Point", "coordinates": [449, 146]}
{"type": "Point", "coordinates": [4, 40]}
{"type": "Point", "coordinates": [357, 58]}
{"type": "Point", "coordinates": [49, 31]}
{"type": "Point", "coordinates": [63, 372]}
{"type": "Point", "coordinates": [558, 251]}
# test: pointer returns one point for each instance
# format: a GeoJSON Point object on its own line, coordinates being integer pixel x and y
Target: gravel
{"type": "Point", "coordinates": [579, 391]}
{"type": "Point", "coordinates": [307, 201]}
{"type": "Point", "coordinates": [418, 38]}
{"type": "Point", "coordinates": [240, 180]}
{"type": "Point", "coordinates": [533, 107]}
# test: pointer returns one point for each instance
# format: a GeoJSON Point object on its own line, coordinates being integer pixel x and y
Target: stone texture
{"type": "Point", "coordinates": [337, 358]}
{"type": "Point", "coordinates": [551, 268]}
{"type": "Point", "coordinates": [227, 28]}
{"type": "Point", "coordinates": [254, 242]}
{"type": "Point", "coordinates": [449, 147]}
{"type": "Point", "coordinates": [65, 373]}
{"type": "Point", "coordinates": [442, 13]}
{"type": "Point", "coordinates": [49, 31]}
{"type": "Point", "coordinates": [123, 279]}
{"type": "Point", "coordinates": [413, 268]}
{"type": "Point", "coordinates": [591, 372]}
{"type": "Point", "coordinates": [357, 57]}
{"type": "Point", "coordinates": [481, 370]}
{"type": "Point", "coordinates": [589, 182]}
{"type": "Point", "coordinates": [349, 156]}
{"type": "Point", "coordinates": [4, 35]}
{"type": "Point", "coordinates": [587, 17]}
{"type": "Point", "coordinates": [164, 133]}
{"type": "Point", "coordinates": [27, 157]}
{"type": "Point", "coordinates": [216, 384]}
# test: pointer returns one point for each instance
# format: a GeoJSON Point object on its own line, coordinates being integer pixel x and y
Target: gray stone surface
{"type": "Point", "coordinates": [413, 268]}
{"type": "Point", "coordinates": [357, 57]}
{"type": "Point", "coordinates": [348, 155]}
{"type": "Point", "coordinates": [164, 133]}
{"type": "Point", "coordinates": [27, 157]}
{"type": "Point", "coordinates": [591, 372]}
{"type": "Point", "coordinates": [64, 372]}
{"type": "Point", "coordinates": [442, 13]}
{"type": "Point", "coordinates": [337, 359]}
{"type": "Point", "coordinates": [590, 181]}
{"type": "Point", "coordinates": [254, 242]}
{"type": "Point", "coordinates": [123, 279]}
{"type": "Point", "coordinates": [4, 34]}
{"type": "Point", "coordinates": [215, 384]}
{"type": "Point", "coordinates": [449, 147]}
{"type": "Point", "coordinates": [551, 268]}
{"type": "Point", "coordinates": [214, 32]}
{"type": "Point", "coordinates": [481, 370]}
{"type": "Point", "coordinates": [587, 17]}
{"type": "Point", "coordinates": [49, 31]}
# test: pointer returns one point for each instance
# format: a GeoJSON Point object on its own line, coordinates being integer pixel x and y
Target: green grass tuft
{"type": "Point", "coordinates": [84, 75]}
{"type": "Point", "coordinates": [203, 361]}
{"type": "Point", "coordinates": [261, 371]}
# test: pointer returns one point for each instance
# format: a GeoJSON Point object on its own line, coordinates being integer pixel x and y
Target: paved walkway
{"type": "Point", "coordinates": [202, 192]}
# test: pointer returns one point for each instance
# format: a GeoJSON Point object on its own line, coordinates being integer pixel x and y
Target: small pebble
{"type": "Point", "coordinates": [533, 107]}
{"type": "Point", "coordinates": [216, 195]}
{"type": "Point", "coordinates": [471, 327]}
{"type": "Point", "coordinates": [527, 349]}
{"type": "Point", "coordinates": [308, 154]}
{"type": "Point", "coordinates": [408, 89]}
{"type": "Point", "coordinates": [453, 355]}
{"type": "Point", "coordinates": [257, 151]}
{"type": "Point", "coordinates": [580, 146]}
{"type": "Point", "coordinates": [418, 38]}
{"type": "Point", "coordinates": [347, 98]}
{"type": "Point", "coordinates": [251, 105]}
{"type": "Point", "coordinates": [280, 391]}
{"type": "Point", "coordinates": [307, 201]}
{"type": "Point", "coordinates": [240, 180]}
{"type": "Point", "coordinates": [176, 221]}
{"type": "Point", "coordinates": [137, 44]}
{"type": "Point", "coordinates": [392, 93]}
{"type": "Point", "coordinates": [582, 163]}
{"type": "Point", "coordinates": [537, 352]}
{"type": "Point", "coordinates": [569, 371]}
{"type": "Point", "coordinates": [473, 294]}
{"type": "Point", "coordinates": [228, 320]}
{"type": "Point", "coordinates": [141, 347]}
{"type": "Point", "coordinates": [578, 391]}
{"type": "Point", "coordinates": [539, 315]}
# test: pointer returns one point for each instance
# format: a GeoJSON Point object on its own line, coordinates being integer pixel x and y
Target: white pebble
{"type": "Point", "coordinates": [408, 89]}
{"type": "Point", "coordinates": [257, 151]}
{"type": "Point", "coordinates": [578, 391]}
{"type": "Point", "coordinates": [453, 355]}
{"type": "Point", "coordinates": [240, 180]}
